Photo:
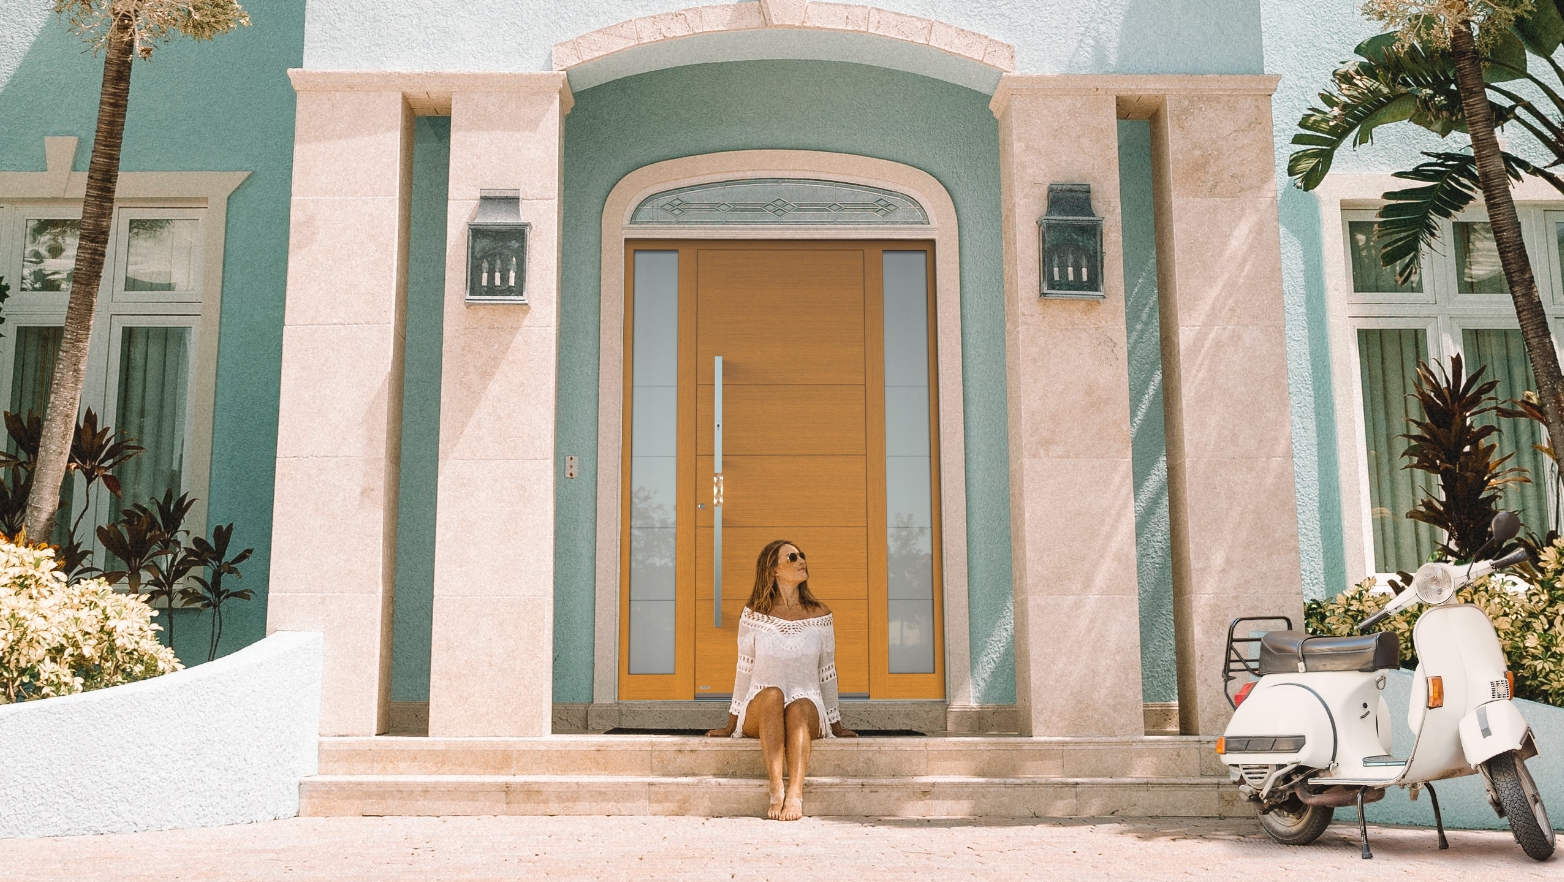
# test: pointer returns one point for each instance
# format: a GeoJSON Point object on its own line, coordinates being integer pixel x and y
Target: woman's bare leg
{"type": "Point", "coordinates": [803, 727]}
{"type": "Point", "coordinates": [763, 719]}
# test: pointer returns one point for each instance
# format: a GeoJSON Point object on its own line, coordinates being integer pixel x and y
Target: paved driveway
{"type": "Point", "coordinates": [825, 849]}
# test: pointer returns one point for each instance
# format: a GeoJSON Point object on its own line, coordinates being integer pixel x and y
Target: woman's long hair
{"type": "Point", "coordinates": [766, 592]}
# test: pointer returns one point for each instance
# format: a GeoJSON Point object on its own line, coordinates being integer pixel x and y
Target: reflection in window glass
{"type": "Point", "coordinates": [908, 467]}
{"type": "Point", "coordinates": [1503, 354]}
{"type": "Point", "coordinates": [1388, 359]}
{"type": "Point", "coordinates": [1477, 266]}
{"type": "Point", "coordinates": [1368, 275]}
{"type": "Point", "coordinates": [49, 254]}
{"type": "Point", "coordinates": [160, 255]}
{"type": "Point", "coordinates": [654, 380]}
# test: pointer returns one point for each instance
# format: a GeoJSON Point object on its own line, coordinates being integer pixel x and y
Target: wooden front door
{"type": "Point", "coordinates": [801, 334]}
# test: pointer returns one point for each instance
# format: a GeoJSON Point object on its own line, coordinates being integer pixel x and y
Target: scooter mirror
{"type": "Point", "coordinates": [1506, 526]}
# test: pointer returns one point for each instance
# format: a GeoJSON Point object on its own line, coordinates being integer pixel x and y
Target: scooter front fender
{"type": "Point", "coordinates": [1490, 730]}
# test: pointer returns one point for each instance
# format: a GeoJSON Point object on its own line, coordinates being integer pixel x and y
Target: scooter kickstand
{"type": "Point", "coordinates": [1439, 822]}
{"type": "Point", "coordinates": [1363, 829]}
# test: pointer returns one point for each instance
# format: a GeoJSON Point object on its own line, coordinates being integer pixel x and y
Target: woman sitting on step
{"type": "Point", "coordinates": [785, 689]}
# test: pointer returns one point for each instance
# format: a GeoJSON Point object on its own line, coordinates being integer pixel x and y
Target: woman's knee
{"type": "Point", "coordinates": [769, 695]}
{"type": "Point", "coordinates": [802, 711]}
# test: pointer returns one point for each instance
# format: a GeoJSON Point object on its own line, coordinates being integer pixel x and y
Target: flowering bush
{"type": "Point", "coordinates": [59, 637]}
{"type": "Point", "coordinates": [1530, 624]}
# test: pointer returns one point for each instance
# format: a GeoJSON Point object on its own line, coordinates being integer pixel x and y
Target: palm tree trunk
{"type": "Point", "coordinates": [1507, 229]}
{"type": "Point", "coordinates": [97, 215]}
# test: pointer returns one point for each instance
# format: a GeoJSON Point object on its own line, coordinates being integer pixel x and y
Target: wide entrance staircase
{"type": "Point", "coordinates": [912, 777]}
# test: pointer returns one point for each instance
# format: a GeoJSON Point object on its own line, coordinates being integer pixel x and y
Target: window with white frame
{"type": "Point", "coordinates": [143, 350]}
{"type": "Point", "coordinates": [1456, 302]}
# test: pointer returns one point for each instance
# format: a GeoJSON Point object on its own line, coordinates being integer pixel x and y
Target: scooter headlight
{"type": "Point", "coordinates": [1434, 583]}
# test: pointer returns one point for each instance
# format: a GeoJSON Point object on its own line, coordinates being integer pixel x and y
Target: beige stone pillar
{"type": "Point", "coordinates": [1224, 361]}
{"type": "Point", "coordinates": [339, 415]}
{"type": "Point", "coordinates": [491, 659]}
{"type": "Point", "coordinates": [1077, 625]}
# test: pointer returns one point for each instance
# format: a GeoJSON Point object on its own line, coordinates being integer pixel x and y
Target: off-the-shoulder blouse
{"type": "Point", "coordinates": [798, 658]}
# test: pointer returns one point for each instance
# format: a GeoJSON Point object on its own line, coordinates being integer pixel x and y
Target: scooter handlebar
{"type": "Point", "coordinates": [1374, 619]}
{"type": "Point", "coordinates": [1517, 556]}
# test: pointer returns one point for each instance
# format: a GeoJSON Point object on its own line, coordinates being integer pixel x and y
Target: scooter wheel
{"type": "Point", "coordinates": [1522, 805]}
{"type": "Point", "coordinates": [1294, 823]}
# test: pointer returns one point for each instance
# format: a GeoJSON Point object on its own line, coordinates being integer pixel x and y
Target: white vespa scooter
{"type": "Point", "coordinates": [1313, 733]}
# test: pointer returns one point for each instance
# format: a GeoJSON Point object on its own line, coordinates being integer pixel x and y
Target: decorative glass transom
{"type": "Point", "coordinates": [780, 201]}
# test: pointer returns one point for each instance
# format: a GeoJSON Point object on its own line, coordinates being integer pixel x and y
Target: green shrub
{"type": "Point", "coordinates": [59, 637]}
{"type": "Point", "coordinates": [1530, 625]}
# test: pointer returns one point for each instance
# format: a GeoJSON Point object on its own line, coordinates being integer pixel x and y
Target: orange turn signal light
{"type": "Point", "coordinates": [1509, 677]}
{"type": "Point", "coordinates": [1221, 746]}
{"type": "Point", "coordinates": [1436, 692]}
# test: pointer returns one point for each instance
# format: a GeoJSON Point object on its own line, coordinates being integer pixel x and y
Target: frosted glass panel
{"type": "Point", "coordinates": [653, 462]}
{"type": "Point", "coordinates": [908, 489]}
{"type": "Point", "coordinates": [160, 255]}
{"type": "Point", "coordinates": [154, 367]}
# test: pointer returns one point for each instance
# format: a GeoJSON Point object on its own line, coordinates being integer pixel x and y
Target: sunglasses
{"type": "Point", "coordinates": [793, 556]}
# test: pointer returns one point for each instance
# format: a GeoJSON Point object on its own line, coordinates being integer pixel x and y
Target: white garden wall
{"type": "Point", "coordinates": [222, 743]}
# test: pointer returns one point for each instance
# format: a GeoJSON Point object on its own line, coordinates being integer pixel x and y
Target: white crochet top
{"type": "Point", "coordinates": [797, 657]}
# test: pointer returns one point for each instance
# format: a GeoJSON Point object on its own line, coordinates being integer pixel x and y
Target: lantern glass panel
{"type": "Point", "coordinates": [496, 262]}
{"type": "Point", "coordinates": [1072, 256]}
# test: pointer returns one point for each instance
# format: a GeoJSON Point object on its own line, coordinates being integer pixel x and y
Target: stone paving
{"type": "Point", "coordinates": [849, 849]}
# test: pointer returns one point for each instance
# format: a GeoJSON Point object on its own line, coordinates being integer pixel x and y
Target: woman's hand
{"type": "Point", "coordinates": [725, 731]}
{"type": "Point", "coordinates": [838, 731]}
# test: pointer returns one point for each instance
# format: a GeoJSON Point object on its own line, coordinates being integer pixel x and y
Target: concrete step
{"type": "Point", "coordinates": [871, 758]}
{"type": "Point", "coordinates": [907, 797]}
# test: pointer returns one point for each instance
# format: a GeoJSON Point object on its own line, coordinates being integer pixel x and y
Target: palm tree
{"type": "Point", "coordinates": [123, 30]}
{"type": "Point", "coordinates": [1449, 66]}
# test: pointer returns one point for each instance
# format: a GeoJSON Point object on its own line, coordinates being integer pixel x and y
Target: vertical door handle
{"type": "Point", "coordinates": [716, 499]}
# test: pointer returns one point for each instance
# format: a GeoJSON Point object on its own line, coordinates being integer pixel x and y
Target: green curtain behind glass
{"type": "Point", "coordinates": [1388, 358]}
{"type": "Point", "coordinates": [153, 376]}
{"type": "Point", "coordinates": [1503, 353]}
{"type": "Point", "coordinates": [32, 372]}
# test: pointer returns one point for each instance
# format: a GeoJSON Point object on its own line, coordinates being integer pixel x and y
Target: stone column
{"type": "Point", "coordinates": [1224, 360]}
{"type": "Point", "coordinates": [339, 423]}
{"type": "Point", "coordinates": [1077, 626]}
{"type": "Point", "coordinates": [491, 658]}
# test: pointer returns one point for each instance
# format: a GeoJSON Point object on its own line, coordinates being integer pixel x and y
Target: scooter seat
{"type": "Point", "coordinates": [1281, 651]}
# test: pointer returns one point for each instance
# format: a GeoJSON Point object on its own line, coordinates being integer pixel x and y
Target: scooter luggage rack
{"type": "Point", "coordinates": [1237, 662]}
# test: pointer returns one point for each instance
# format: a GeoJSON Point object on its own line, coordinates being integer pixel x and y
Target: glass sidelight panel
{"type": "Point", "coordinates": [32, 372]}
{"type": "Point", "coordinates": [909, 497]}
{"type": "Point", "coordinates": [653, 460]}
{"type": "Point", "coordinates": [1388, 360]}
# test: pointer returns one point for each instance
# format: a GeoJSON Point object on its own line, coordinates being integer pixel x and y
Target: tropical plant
{"type": "Point", "coordinates": [211, 593]}
{"type": "Point", "coordinates": [59, 637]}
{"type": "Point", "coordinates": [1452, 442]}
{"type": "Point", "coordinates": [123, 30]}
{"type": "Point", "coordinates": [1445, 67]}
{"type": "Point", "coordinates": [137, 541]}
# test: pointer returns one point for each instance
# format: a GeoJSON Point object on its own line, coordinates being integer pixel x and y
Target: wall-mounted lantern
{"type": "Point", "coordinates": [497, 249]}
{"type": "Point", "coordinates": [1070, 236]}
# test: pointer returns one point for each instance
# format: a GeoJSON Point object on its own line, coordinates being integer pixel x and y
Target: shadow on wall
{"type": "Point", "coordinates": [1166, 36]}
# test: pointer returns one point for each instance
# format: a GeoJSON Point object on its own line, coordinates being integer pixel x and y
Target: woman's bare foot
{"type": "Point", "coordinates": [774, 810]}
{"type": "Point", "coordinates": [792, 808]}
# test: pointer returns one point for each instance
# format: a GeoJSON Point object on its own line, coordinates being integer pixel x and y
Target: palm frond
{"type": "Point", "coordinates": [1409, 221]}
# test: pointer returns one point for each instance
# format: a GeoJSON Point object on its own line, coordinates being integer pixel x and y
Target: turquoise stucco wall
{"type": "Point", "coordinates": [224, 106]}
{"type": "Point", "coordinates": [942, 129]}
{"type": "Point", "coordinates": [1153, 543]}
{"type": "Point", "coordinates": [1050, 36]}
{"type": "Point", "coordinates": [421, 410]}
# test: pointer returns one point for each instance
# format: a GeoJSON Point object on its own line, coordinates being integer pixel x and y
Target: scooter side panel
{"type": "Point", "coordinates": [1452, 642]}
{"type": "Point", "coordinates": [1278, 707]}
{"type": "Point", "coordinates": [1490, 730]}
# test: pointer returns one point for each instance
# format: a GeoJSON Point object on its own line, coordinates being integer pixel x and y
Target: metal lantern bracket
{"type": "Point", "coordinates": [497, 249]}
{"type": "Point", "coordinates": [1070, 245]}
